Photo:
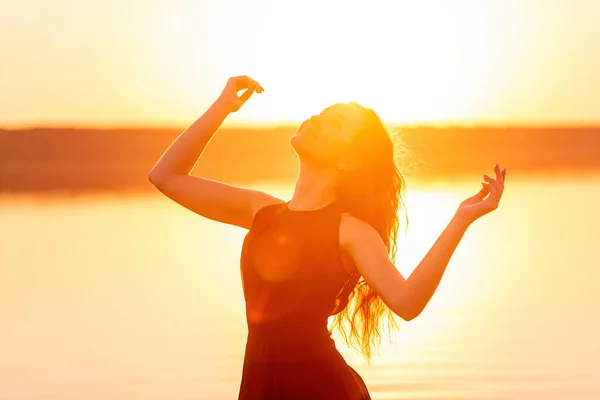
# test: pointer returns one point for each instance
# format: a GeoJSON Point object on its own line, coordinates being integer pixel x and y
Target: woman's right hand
{"type": "Point", "coordinates": [479, 205]}
{"type": "Point", "coordinates": [230, 98]}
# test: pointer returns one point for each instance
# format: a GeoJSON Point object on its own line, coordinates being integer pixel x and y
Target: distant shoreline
{"type": "Point", "coordinates": [53, 159]}
{"type": "Point", "coordinates": [289, 126]}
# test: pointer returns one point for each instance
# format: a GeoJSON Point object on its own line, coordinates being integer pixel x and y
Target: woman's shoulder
{"type": "Point", "coordinates": [264, 205]}
{"type": "Point", "coordinates": [261, 200]}
{"type": "Point", "coordinates": [353, 230]}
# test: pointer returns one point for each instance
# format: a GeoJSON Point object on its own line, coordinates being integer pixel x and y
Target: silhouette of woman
{"type": "Point", "coordinates": [328, 251]}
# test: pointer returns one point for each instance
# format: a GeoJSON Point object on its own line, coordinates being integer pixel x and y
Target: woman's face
{"type": "Point", "coordinates": [327, 138]}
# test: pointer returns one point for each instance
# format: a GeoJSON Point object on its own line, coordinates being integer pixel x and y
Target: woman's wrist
{"type": "Point", "coordinates": [221, 107]}
{"type": "Point", "coordinates": [462, 218]}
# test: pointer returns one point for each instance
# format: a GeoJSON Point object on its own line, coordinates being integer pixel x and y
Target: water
{"type": "Point", "coordinates": [137, 298]}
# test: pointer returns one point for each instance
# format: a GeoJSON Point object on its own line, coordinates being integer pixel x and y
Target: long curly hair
{"type": "Point", "coordinates": [375, 192]}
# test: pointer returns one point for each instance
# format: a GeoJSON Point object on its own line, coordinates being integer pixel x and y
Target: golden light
{"type": "Point", "coordinates": [164, 62]}
{"type": "Point", "coordinates": [410, 61]}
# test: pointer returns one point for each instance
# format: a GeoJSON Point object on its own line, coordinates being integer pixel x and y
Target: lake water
{"type": "Point", "coordinates": [134, 297]}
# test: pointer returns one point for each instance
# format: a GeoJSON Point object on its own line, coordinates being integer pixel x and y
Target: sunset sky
{"type": "Point", "coordinates": [162, 62]}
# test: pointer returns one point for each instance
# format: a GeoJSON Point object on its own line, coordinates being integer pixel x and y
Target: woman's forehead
{"type": "Point", "coordinates": [350, 112]}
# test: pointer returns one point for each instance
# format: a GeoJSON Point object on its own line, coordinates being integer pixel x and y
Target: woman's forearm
{"type": "Point", "coordinates": [425, 279]}
{"type": "Point", "coordinates": [182, 155]}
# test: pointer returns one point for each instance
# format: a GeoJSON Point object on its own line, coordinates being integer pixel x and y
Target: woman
{"type": "Point", "coordinates": [327, 251]}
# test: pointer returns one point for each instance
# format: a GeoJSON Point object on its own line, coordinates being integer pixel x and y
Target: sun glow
{"type": "Point", "coordinates": [409, 61]}
{"type": "Point", "coordinates": [163, 62]}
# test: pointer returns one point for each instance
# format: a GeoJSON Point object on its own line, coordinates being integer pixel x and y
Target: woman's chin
{"type": "Point", "coordinates": [300, 144]}
{"type": "Point", "coordinates": [297, 139]}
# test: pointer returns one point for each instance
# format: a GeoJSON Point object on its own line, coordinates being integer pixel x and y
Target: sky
{"type": "Point", "coordinates": [163, 62]}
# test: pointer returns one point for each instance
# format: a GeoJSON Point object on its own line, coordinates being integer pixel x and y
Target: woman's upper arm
{"type": "Point", "coordinates": [368, 252]}
{"type": "Point", "coordinates": [215, 200]}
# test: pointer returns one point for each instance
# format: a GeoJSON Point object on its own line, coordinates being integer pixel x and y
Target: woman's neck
{"type": "Point", "coordinates": [315, 188]}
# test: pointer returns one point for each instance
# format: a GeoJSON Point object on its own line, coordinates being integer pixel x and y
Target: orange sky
{"type": "Point", "coordinates": [162, 62]}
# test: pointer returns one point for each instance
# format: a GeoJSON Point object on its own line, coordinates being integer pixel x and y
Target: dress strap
{"type": "Point", "coordinates": [265, 216]}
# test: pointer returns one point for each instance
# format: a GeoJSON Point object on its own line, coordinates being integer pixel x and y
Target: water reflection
{"type": "Point", "coordinates": [136, 297]}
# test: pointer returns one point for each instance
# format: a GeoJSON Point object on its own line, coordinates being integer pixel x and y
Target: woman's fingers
{"type": "Point", "coordinates": [482, 193]}
{"type": "Point", "coordinates": [245, 82]}
{"type": "Point", "coordinates": [484, 190]}
{"type": "Point", "coordinates": [492, 188]}
{"type": "Point", "coordinates": [248, 85]}
{"type": "Point", "coordinates": [231, 96]}
{"type": "Point", "coordinates": [493, 182]}
{"type": "Point", "coordinates": [499, 174]}
{"type": "Point", "coordinates": [259, 89]}
{"type": "Point", "coordinates": [246, 95]}
{"type": "Point", "coordinates": [252, 84]}
{"type": "Point", "coordinates": [494, 198]}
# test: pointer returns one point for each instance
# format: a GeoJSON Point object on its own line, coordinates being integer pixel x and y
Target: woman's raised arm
{"type": "Point", "coordinates": [407, 297]}
{"type": "Point", "coordinates": [211, 199]}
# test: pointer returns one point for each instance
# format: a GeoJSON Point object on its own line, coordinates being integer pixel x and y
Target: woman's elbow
{"type": "Point", "coordinates": [406, 307]}
{"type": "Point", "coordinates": [153, 178]}
{"type": "Point", "coordinates": [407, 313]}
{"type": "Point", "coordinates": [157, 178]}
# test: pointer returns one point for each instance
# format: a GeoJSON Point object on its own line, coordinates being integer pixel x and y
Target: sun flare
{"type": "Point", "coordinates": [410, 62]}
{"type": "Point", "coordinates": [163, 62]}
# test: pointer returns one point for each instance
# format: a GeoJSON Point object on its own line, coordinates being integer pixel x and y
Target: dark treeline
{"type": "Point", "coordinates": [120, 159]}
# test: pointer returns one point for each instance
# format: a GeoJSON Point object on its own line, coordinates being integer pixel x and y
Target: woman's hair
{"type": "Point", "coordinates": [374, 191]}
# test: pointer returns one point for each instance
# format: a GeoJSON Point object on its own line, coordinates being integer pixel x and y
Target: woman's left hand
{"type": "Point", "coordinates": [478, 205]}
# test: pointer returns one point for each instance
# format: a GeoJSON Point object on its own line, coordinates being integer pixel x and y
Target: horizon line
{"type": "Point", "coordinates": [289, 124]}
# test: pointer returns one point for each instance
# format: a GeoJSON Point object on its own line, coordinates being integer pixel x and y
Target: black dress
{"type": "Point", "coordinates": [293, 280]}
